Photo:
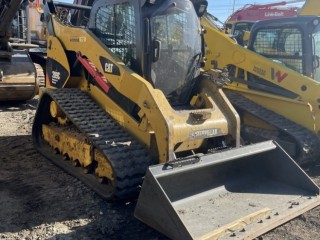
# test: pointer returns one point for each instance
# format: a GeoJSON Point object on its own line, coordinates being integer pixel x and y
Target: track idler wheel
{"type": "Point", "coordinates": [56, 112]}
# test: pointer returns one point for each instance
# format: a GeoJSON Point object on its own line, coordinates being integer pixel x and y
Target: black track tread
{"type": "Point", "coordinates": [129, 163]}
{"type": "Point", "coordinates": [302, 136]}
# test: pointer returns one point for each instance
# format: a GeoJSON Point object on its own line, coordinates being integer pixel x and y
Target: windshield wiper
{"type": "Point", "coordinates": [193, 63]}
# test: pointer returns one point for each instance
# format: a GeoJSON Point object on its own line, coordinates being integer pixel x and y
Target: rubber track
{"type": "Point", "coordinates": [129, 163]}
{"type": "Point", "coordinates": [303, 137]}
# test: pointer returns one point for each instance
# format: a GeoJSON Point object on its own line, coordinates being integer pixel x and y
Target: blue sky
{"type": "Point", "coordinates": [222, 9]}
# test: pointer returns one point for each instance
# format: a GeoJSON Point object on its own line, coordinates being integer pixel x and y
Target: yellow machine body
{"type": "Point", "coordinates": [18, 76]}
{"type": "Point", "coordinates": [303, 110]}
{"type": "Point", "coordinates": [283, 90]}
{"type": "Point", "coordinates": [310, 7]}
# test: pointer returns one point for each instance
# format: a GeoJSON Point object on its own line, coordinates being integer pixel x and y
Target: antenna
{"type": "Point", "coordinates": [234, 3]}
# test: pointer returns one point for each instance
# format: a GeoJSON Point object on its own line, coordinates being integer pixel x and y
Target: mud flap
{"type": "Point", "coordinates": [237, 194]}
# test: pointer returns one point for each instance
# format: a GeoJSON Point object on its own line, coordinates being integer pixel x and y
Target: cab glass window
{"type": "Point", "coordinates": [115, 27]}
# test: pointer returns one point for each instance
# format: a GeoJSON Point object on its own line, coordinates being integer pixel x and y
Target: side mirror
{"type": "Point", "coordinates": [316, 62]}
{"type": "Point", "coordinates": [42, 17]}
{"type": "Point", "coordinates": [200, 6]}
{"type": "Point", "coordinates": [156, 47]}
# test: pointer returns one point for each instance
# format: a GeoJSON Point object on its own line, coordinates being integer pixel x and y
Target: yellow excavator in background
{"type": "Point", "coordinates": [275, 81]}
{"type": "Point", "coordinates": [126, 102]}
{"type": "Point", "coordinates": [19, 76]}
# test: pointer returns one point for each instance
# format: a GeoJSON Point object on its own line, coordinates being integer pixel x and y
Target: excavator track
{"type": "Point", "coordinates": [40, 75]}
{"type": "Point", "coordinates": [308, 143]}
{"type": "Point", "coordinates": [129, 161]}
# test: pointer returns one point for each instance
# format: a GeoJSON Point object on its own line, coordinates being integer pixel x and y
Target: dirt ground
{"type": "Point", "coordinates": [40, 201]}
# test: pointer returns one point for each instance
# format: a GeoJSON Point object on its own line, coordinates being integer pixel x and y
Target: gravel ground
{"type": "Point", "coordinates": [40, 201]}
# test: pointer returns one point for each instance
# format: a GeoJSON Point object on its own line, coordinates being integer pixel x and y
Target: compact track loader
{"type": "Point", "coordinates": [19, 76]}
{"type": "Point", "coordinates": [127, 104]}
{"type": "Point", "coordinates": [275, 81]}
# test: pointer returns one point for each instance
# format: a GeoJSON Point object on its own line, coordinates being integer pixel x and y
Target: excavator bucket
{"type": "Point", "coordinates": [237, 194]}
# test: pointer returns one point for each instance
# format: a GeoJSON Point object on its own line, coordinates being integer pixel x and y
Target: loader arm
{"type": "Point", "coordinates": [310, 7]}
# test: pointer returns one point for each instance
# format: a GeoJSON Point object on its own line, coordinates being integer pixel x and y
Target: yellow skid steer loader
{"type": "Point", "coordinates": [274, 82]}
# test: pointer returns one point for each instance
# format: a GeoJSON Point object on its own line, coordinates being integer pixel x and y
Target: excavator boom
{"type": "Point", "coordinates": [8, 10]}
